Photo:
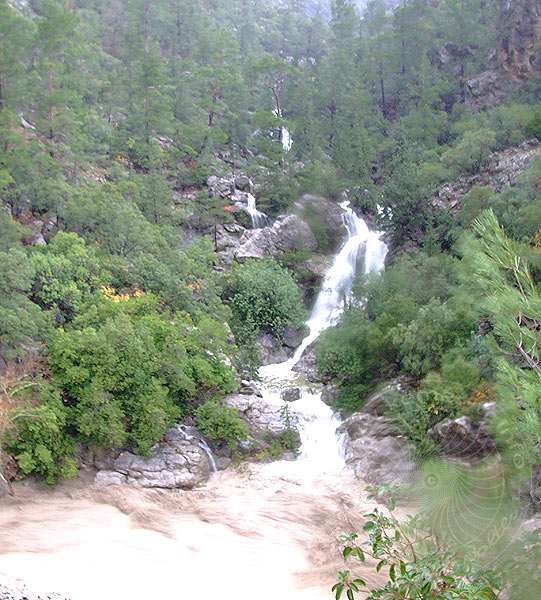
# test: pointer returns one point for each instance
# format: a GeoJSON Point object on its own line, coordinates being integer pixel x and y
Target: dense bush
{"type": "Point", "coordinates": [263, 296]}
{"type": "Point", "coordinates": [221, 424]}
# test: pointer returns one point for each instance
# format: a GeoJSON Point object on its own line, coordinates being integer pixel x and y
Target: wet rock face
{"type": "Point", "coordinates": [4, 487]}
{"type": "Point", "coordinates": [176, 462]}
{"type": "Point", "coordinates": [375, 451]}
{"type": "Point", "coordinates": [291, 394]}
{"type": "Point", "coordinates": [308, 365]}
{"type": "Point", "coordinates": [268, 423]}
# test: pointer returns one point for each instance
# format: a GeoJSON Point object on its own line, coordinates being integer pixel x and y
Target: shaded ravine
{"type": "Point", "coordinates": [265, 529]}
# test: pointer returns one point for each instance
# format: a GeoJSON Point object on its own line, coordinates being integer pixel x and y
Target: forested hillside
{"type": "Point", "coordinates": [126, 129]}
{"type": "Point", "coordinates": [114, 114]}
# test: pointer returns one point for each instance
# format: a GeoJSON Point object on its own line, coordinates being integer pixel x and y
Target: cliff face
{"type": "Point", "coordinates": [516, 57]}
{"type": "Point", "coordinates": [516, 53]}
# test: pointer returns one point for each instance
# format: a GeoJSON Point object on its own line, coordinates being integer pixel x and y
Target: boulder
{"type": "Point", "coordinates": [288, 234]}
{"type": "Point", "coordinates": [375, 451]}
{"type": "Point", "coordinates": [329, 214]}
{"type": "Point", "coordinates": [329, 394]}
{"type": "Point", "coordinates": [262, 417]}
{"type": "Point", "coordinates": [256, 243]}
{"type": "Point", "coordinates": [248, 389]}
{"type": "Point", "coordinates": [228, 237]}
{"type": "Point", "coordinates": [292, 234]}
{"type": "Point", "coordinates": [15, 589]}
{"type": "Point", "coordinates": [465, 436]}
{"type": "Point", "coordinates": [270, 350]}
{"type": "Point", "coordinates": [243, 182]}
{"type": "Point", "coordinates": [317, 266]}
{"type": "Point", "coordinates": [292, 336]}
{"type": "Point", "coordinates": [291, 394]}
{"type": "Point", "coordinates": [308, 365]}
{"type": "Point", "coordinates": [100, 458]}
{"type": "Point", "coordinates": [177, 462]}
{"type": "Point", "coordinates": [221, 187]}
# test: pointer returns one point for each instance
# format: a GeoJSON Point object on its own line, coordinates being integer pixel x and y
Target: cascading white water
{"type": "Point", "coordinates": [259, 219]}
{"type": "Point", "coordinates": [316, 422]}
{"type": "Point", "coordinates": [185, 430]}
{"type": "Point", "coordinates": [287, 142]}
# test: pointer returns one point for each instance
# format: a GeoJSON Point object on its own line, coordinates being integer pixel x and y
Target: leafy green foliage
{"type": "Point", "coordinates": [262, 295]}
{"type": "Point", "coordinates": [533, 127]}
{"type": "Point", "coordinates": [41, 442]}
{"type": "Point", "coordinates": [418, 563]}
{"type": "Point", "coordinates": [21, 321]}
{"type": "Point", "coordinates": [221, 424]}
{"type": "Point", "coordinates": [67, 274]}
{"type": "Point", "coordinates": [471, 153]}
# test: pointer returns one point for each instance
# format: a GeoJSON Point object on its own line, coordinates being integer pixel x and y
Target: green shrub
{"type": "Point", "coordinates": [262, 296]}
{"type": "Point", "coordinates": [471, 153]}
{"type": "Point", "coordinates": [533, 126]}
{"type": "Point", "coordinates": [41, 442]}
{"type": "Point", "coordinates": [221, 423]}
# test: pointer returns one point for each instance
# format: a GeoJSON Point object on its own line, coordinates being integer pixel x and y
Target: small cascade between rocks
{"type": "Point", "coordinates": [321, 449]}
{"type": "Point", "coordinates": [185, 431]}
{"type": "Point", "coordinates": [259, 219]}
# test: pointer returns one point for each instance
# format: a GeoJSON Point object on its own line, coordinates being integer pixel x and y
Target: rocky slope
{"type": "Point", "coordinates": [502, 170]}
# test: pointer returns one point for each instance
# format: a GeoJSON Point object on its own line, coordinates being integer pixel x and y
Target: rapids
{"type": "Point", "coordinates": [267, 530]}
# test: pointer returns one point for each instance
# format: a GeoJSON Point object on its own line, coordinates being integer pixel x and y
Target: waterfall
{"type": "Point", "coordinates": [185, 430]}
{"type": "Point", "coordinates": [287, 142]}
{"type": "Point", "coordinates": [259, 219]}
{"type": "Point", "coordinates": [315, 420]}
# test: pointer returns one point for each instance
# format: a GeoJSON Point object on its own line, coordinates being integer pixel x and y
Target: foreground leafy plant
{"type": "Point", "coordinates": [419, 564]}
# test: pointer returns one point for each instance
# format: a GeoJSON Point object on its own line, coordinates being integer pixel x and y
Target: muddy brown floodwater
{"type": "Point", "coordinates": [266, 531]}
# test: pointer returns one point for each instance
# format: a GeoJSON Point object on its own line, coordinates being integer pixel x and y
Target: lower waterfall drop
{"type": "Point", "coordinates": [321, 449]}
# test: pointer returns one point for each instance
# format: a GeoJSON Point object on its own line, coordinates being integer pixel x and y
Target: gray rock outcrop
{"type": "Point", "coordinates": [4, 487]}
{"type": "Point", "coordinates": [287, 234]}
{"type": "Point", "coordinates": [465, 436]}
{"type": "Point", "coordinates": [308, 364]}
{"type": "Point", "coordinates": [375, 451]}
{"type": "Point", "coordinates": [328, 213]}
{"type": "Point", "coordinates": [270, 350]}
{"type": "Point", "coordinates": [177, 462]}
{"type": "Point", "coordinates": [262, 417]}
{"type": "Point", "coordinates": [291, 394]}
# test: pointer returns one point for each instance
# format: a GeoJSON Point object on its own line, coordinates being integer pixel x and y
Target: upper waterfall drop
{"type": "Point", "coordinates": [336, 288]}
